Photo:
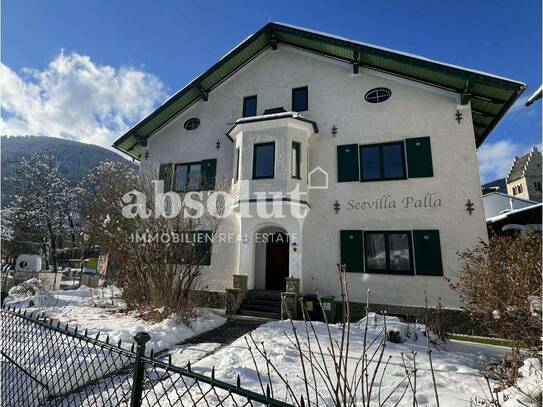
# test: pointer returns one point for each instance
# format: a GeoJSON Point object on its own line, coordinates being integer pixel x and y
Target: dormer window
{"type": "Point", "coordinates": [249, 106]}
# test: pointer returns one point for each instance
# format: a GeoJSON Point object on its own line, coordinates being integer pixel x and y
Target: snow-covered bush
{"type": "Point", "coordinates": [396, 330]}
{"type": "Point", "coordinates": [528, 388]}
{"type": "Point", "coordinates": [30, 293]}
{"type": "Point", "coordinates": [526, 391]}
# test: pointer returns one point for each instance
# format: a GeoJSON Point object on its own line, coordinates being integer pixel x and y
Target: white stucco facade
{"type": "Point", "coordinates": [336, 99]}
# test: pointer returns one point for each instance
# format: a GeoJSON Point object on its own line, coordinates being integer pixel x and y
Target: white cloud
{"type": "Point", "coordinates": [495, 159]}
{"type": "Point", "coordinates": [75, 98]}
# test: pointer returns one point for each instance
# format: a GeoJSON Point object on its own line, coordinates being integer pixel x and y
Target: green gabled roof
{"type": "Point", "coordinates": [490, 96]}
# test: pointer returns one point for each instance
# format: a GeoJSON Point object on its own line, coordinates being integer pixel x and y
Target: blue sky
{"type": "Point", "coordinates": [67, 57]}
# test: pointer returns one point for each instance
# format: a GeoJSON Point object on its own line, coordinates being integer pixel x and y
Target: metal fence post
{"type": "Point", "coordinates": [141, 339]}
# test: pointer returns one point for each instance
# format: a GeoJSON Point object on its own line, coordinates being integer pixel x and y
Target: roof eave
{"type": "Point", "coordinates": [500, 115]}
{"type": "Point", "coordinates": [127, 152]}
{"type": "Point", "coordinates": [272, 30]}
{"type": "Point", "coordinates": [189, 86]}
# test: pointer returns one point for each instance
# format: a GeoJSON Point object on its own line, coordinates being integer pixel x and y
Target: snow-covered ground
{"type": "Point", "coordinates": [62, 363]}
{"type": "Point", "coordinates": [457, 365]}
{"type": "Point", "coordinates": [101, 311]}
{"type": "Point", "coordinates": [527, 389]}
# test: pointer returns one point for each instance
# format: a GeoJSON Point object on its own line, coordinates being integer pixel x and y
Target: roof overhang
{"type": "Point", "coordinates": [532, 211]}
{"type": "Point", "coordinates": [490, 96]}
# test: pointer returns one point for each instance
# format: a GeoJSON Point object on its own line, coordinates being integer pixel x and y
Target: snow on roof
{"type": "Point", "coordinates": [273, 116]}
{"type": "Point", "coordinates": [509, 196]}
{"type": "Point", "coordinates": [512, 212]}
{"type": "Point", "coordinates": [407, 54]}
{"type": "Point", "coordinates": [267, 117]}
{"type": "Point", "coordinates": [339, 37]}
{"type": "Point", "coordinates": [132, 142]}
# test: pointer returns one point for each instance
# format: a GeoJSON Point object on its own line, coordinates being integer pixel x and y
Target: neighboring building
{"type": "Point", "coordinates": [506, 214]}
{"type": "Point", "coordinates": [395, 139]}
{"type": "Point", "coordinates": [524, 177]}
{"type": "Point", "coordinates": [497, 203]}
{"type": "Point", "coordinates": [498, 185]}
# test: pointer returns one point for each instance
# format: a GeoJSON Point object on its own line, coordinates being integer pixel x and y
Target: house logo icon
{"type": "Point", "coordinates": [317, 178]}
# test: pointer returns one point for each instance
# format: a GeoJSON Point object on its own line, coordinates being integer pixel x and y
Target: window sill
{"type": "Point", "coordinates": [391, 272]}
{"type": "Point", "coordinates": [297, 178]}
{"type": "Point", "coordinates": [257, 178]}
{"type": "Point", "coordinates": [384, 179]}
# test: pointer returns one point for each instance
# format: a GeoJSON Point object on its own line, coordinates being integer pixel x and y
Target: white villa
{"type": "Point", "coordinates": [381, 144]}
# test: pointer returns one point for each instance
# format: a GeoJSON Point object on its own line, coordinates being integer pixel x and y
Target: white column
{"type": "Point", "coordinates": [246, 253]}
{"type": "Point", "coordinates": [295, 257]}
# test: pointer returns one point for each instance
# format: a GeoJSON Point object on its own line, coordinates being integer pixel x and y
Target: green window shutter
{"type": "Point", "coordinates": [165, 174]}
{"type": "Point", "coordinates": [427, 253]}
{"type": "Point", "coordinates": [347, 163]}
{"type": "Point", "coordinates": [209, 169]}
{"type": "Point", "coordinates": [419, 157]}
{"type": "Point", "coordinates": [352, 250]}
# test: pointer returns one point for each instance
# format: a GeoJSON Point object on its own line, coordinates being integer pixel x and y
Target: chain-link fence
{"type": "Point", "coordinates": [46, 364]}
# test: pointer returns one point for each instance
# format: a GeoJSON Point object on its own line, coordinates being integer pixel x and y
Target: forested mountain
{"type": "Point", "coordinates": [73, 159]}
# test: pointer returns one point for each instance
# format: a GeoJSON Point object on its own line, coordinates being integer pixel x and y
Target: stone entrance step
{"type": "Point", "coordinates": [262, 303]}
{"type": "Point", "coordinates": [260, 314]}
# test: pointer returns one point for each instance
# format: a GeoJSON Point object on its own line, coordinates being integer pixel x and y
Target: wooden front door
{"type": "Point", "coordinates": [277, 262]}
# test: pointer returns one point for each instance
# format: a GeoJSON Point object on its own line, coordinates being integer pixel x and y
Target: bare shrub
{"type": "Point", "coordinates": [435, 320]}
{"type": "Point", "coordinates": [329, 372]}
{"type": "Point", "coordinates": [501, 285]}
{"type": "Point", "coordinates": [160, 259]}
{"type": "Point", "coordinates": [500, 289]}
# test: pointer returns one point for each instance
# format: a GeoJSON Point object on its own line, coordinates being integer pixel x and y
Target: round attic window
{"type": "Point", "coordinates": [377, 95]}
{"type": "Point", "coordinates": [192, 123]}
